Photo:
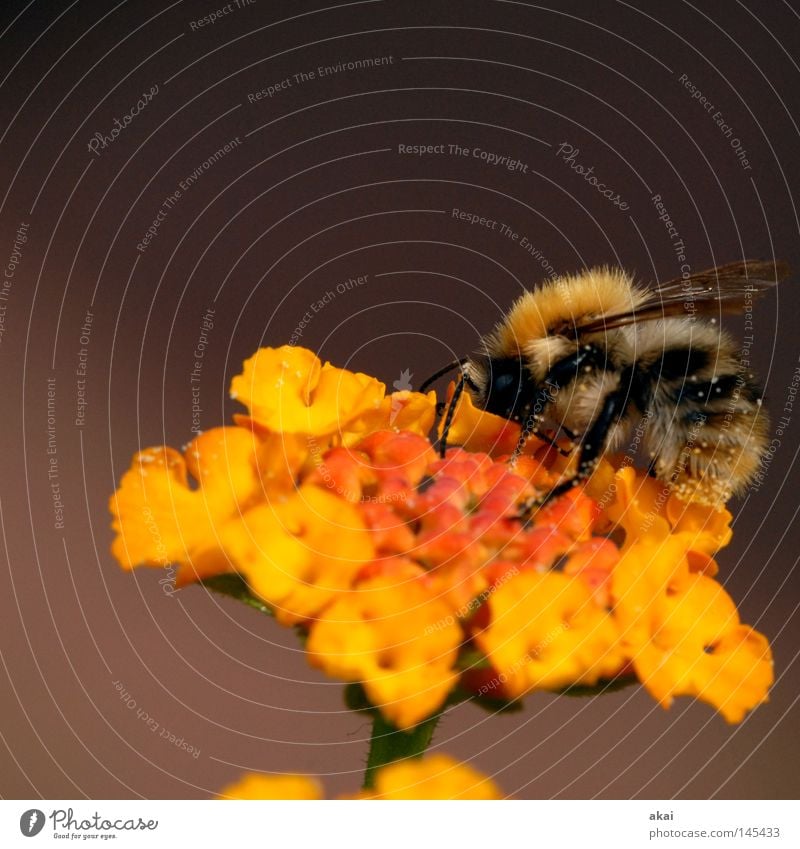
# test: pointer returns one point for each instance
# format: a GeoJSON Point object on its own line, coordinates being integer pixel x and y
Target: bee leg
{"type": "Point", "coordinates": [587, 357]}
{"type": "Point", "coordinates": [551, 441]}
{"type": "Point", "coordinates": [592, 447]}
{"type": "Point", "coordinates": [469, 381]}
{"type": "Point", "coordinates": [530, 414]}
{"type": "Point", "coordinates": [594, 441]}
{"type": "Point", "coordinates": [560, 374]}
{"type": "Point", "coordinates": [451, 411]}
{"type": "Point", "coordinates": [464, 380]}
{"type": "Point", "coordinates": [532, 505]}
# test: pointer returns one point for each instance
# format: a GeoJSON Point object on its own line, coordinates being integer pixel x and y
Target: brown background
{"type": "Point", "coordinates": [316, 194]}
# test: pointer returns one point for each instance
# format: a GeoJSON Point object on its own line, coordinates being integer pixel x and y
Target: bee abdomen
{"type": "Point", "coordinates": [718, 440]}
{"type": "Point", "coordinates": [720, 387]}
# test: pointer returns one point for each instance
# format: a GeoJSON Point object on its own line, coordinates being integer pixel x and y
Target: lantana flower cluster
{"type": "Point", "coordinates": [424, 579]}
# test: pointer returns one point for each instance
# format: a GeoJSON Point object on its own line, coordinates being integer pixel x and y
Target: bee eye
{"type": "Point", "coordinates": [504, 382]}
{"type": "Point", "coordinates": [505, 385]}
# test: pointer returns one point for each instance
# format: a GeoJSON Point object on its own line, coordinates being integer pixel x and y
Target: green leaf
{"type": "Point", "coordinates": [389, 744]}
{"type": "Point", "coordinates": [235, 586]}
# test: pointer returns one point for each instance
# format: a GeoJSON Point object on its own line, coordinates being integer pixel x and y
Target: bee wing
{"type": "Point", "coordinates": [730, 283]}
{"type": "Point", "coordinates": [722, 289]}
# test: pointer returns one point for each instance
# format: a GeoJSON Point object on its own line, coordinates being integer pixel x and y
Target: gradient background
{"type": "Point", "coordinates": [317, 193]}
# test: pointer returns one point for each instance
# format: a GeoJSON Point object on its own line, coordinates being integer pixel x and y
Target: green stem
{"type": "Point", "coordinates": [389, 744]}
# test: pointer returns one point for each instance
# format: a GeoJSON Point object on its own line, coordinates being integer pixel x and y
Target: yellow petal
{"type": "Point", "coordinates": [695, 645]}
{"type": "Point", "coordinates": [160, 519]}
{"type": "Point", "coordinates": [546, 632]}
{"type": "Point", "coordinates": [288, 390]}
{"type": "Point", "coordinates": [258, 786]}
{"type": "Point", "coordinates": [404, 410]}
{"type": "Point", "coordinates": [649, 570]}
{"type": "Point", "coordinates": [299, 551]}
{"type": "Point", "coordinates": [477, 430]}
{"type": "Point", "coordinates": [709, 526]}
{"type": "Point", "coordinates": [435, 776]}
{"type": "Point", "coordinates": [639, 505]}
{"type": "Point", "coordinates": [396, 639]}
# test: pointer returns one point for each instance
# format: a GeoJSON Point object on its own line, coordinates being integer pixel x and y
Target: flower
{"type": "Point", "coordinates": [708, 527]}
{"type": "Point", "coordinates": [545, 631]}
{"type": "Point", "coordinates": [683, 634]}
{"type": "Point", "coordinates": [288, 390]}
{"type": "Point", "coordinates": [259, 786]}
{"type": "Point", "coordinates": [477, 430]}
{"type": "Point", "coordinates": [412, 412]}
{"type": "Point", "coordinates": [395, 639]}
{"type": "Point", "coordinates": [436, 776]}
{"type": "Point", "coordinates": [424, 578]}
{"type": "Point", "coordinates": [298, 552]}
{"type": "Point", "coordinates": [160, 518]}
{"type": "Point", "coordinates": [646, 507]}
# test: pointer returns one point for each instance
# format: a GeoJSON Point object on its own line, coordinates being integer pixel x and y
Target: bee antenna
{"type": "Point", "coordinates": [443, 371]}
{"type": "Point", "coordinates": [451, 411]}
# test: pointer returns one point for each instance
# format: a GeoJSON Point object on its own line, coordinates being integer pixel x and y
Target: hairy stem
{"type": "Point", "coordinates": [389, 744]}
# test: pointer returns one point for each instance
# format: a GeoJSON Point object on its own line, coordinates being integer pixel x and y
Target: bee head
{"type": "Point", "coordinates": [498, 385]}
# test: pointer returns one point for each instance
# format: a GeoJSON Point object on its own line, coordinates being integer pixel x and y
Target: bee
{"type": "Point", "coordinates": [595, 356]}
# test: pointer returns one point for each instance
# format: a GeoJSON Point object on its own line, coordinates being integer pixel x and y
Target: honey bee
{"type": "Point", "coordinates": [595, 355]}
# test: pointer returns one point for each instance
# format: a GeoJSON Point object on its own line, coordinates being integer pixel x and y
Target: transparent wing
{"type": "Point", "coordinates": [723, 289]}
